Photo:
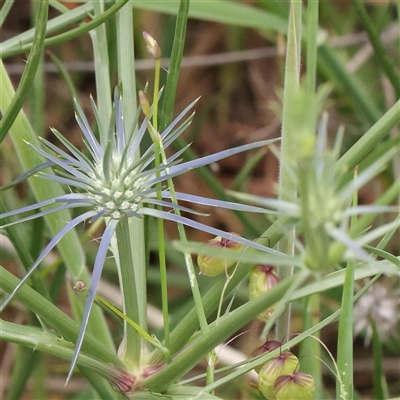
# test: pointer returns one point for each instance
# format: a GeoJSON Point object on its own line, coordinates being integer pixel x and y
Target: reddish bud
{"type": "Point", "coordinates": [268, 346]}
{"type": "Point", "coordinates": [262, 278]}
{"type": "Point", "coordinates": [144, 103]}
{"type": "Point", "coordinates": [285, 363]}
{"type": "Point", "coordinates": [211, 265]}
{"type": "Point", "coordinates": [299, 386]}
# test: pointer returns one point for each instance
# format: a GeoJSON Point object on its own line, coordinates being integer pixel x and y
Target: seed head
{"type": "Point", "coordinates": [262, 278]}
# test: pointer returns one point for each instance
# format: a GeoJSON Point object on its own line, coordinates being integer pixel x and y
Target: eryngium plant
{"type": "Point", "coordinates": [115, 184]}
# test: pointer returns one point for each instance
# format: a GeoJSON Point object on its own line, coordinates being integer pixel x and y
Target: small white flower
{"type": "Point", "coordinates": [381, 304]}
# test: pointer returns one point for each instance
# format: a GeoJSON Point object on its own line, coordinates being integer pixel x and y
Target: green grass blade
{"type": "Point", "coordinates": [63, 37]}
{"type": "Point", "coordinates": [381, 54]}
{"type": "Point", "coordinates": [380, 384]}
{"type": "Point", "coordinates": [38, 339]}
{"type": "Point", "coordinates": [226, 12]}
{"type": "Point", "coordinates": [29, 73]}
{"type": "Point", "coordinates": [370, 139]}
{"type": "Point", "coordinates": [5, 9]}
{"type": "Point", "coordinates": [26, 362]}
{"type": "Point", "coordinates": [175, 64]}
{"type": "Point", "coordinates": [42, 189]}
{"type": "Point", "coordinates": [335, 71]}
{"type": "Point", "coordinates": [287, 187]}
{"type": "Point", "coordinates": [53, 316]}
{"type": "Point", "coordinates": [186, 360]}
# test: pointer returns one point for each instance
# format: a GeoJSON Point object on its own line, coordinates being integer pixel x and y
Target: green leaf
{"type": "Point", "coordinates": [29, 73]}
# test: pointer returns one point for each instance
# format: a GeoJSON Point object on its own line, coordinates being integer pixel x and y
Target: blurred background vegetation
{"type": "Point", "coordinates": [238, 72]}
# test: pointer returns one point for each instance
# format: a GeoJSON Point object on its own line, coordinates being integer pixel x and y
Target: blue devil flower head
{"type": "Point", "coordinates": [115, 182]}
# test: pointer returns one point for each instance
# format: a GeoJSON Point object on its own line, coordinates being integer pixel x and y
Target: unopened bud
{"type": "Point", "coordinates": [299, 386]}
{"type": "Point", "coordinates": [268, 346]}
{"type": "Point", "coordinates": [262, 278]}
{"type": "Point", "coordinates": [152, 46]}
{"type": "Point", "coordinates": [211, 265]}
{"type": "Point", "coordinates": [286, 363]}
{"type": "Point", "coordinates": [144, 103]}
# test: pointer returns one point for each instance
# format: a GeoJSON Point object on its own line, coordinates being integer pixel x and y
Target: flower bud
{"type": "Point", "coordinates": [144, 103]}
{"type": "Point", "coordinates": [211, 265]}
{"type": "Point", "coordinates": [268, 346]}
{"type": "Point", "coordinates": [286, 363]}
{"type": "Point", "coordinates": [299, 386]}
{"type": "Point", "coordinates": [152, 46]}
{"type": "Point", "coordinates": [262, 278]}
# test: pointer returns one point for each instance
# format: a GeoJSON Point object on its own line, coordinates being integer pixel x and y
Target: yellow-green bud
{"type": "Point", "coordinates": [286, 363]}
{"type": "Point", "coordinates": [299, 386]}
{"type": "Point", "coordinates": [144, 103]}
{"type": "Point", "coordinates": [211, 265]}
{"type": "Point", "coordinates": [262, 278]}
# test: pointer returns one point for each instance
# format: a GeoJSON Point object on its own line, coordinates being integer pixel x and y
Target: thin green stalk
{"type": "Point", "coordinates": [312, 48]}
{"type": "Point", "coordinates": [370, 139]}
{"type": "Point", "coordinates": [35, 55]}
{"type": "Point", "coordinates": [160, 222]}
{"type": "Point", "coordinates": [381, 54]}
{"type": "Point", "coordinates": [239, 183]}
{"type": "Point", "coordinates": [173, 79]}
{"type": "Point", "coordinates": [163, 272]}
{"type": "Point", "coordinates": [146, 336]}
{"type": "Point", "coordinates": [25, 362]}
{"type": "Point", "coordinates": [212, 359]}
{"type": "Point", "coordinates": [336, 71]}
{"type": "Point", "coordinates": [310, 348]}
{"type": "Point", "coordinates": [102, 73]}
{"type": "Point", "coordinates": [132, 342]}
{"type": "Point", "coordinates": [188, 261]}
{"type": "Point", "coordinates": [380, 385]}
{"type": "Point", "coordinates": [5, 9]}
{"type": "Point", "coordinates": [287, 189]}
{"type": "Point", "coordinates": [23, 40]}
{"type": "Point", "coordinates": [36, 100]}
{"type": "Point", "coordinates": [345, 331]}
{"type": "Point", "coordinates": [135, 240]}
{"type": "Point", "coordinates": [175, 65]}
{"type": "Point", "coordinates": [39, 376]}
{"type": "Point", "coordinates": [57, 5]}
{"type": "Point", "coordinates": [65, 75]}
